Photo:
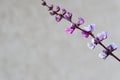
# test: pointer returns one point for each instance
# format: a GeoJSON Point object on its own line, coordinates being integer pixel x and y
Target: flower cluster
{"type": "Point", "coordinates": [104, 54]}
{"type": "Point", "coordinates": [85, 31]}
{"type": "Point", "coordinates": [96, 40]}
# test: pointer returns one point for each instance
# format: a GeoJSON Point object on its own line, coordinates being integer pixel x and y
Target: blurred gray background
{"type": "Point", "coordinates": [33, 46]}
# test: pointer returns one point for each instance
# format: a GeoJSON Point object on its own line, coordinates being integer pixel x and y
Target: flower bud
{"type": "Point", "coordinates": [64, 11]}
{"type": "Point", "coordinates": [43, 3]}
{"type": "Point", "coordinates": [80, 21]}
{"type": "Point", "coordinates": [57, 9]}
{"type": "Point", "coordinates": [58, 18]}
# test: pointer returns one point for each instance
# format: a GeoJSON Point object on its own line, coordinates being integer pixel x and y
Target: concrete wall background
{"type": "Point", "coordinates": [34, 47]}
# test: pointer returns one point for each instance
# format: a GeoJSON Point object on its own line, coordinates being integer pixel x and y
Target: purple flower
{"type": "Point", "coordinates": [95, 40]}
{"type": "Point", "coordinates": [58, 18]}
{"type": "Point", "coordinates": [112, 47]}
{"type": "Point", "coordinates": [103, 55]}
{"type": "Point", "coordinates": [70, 29]}
{"type": "Point", "coordinates": [90, 28]}
{"type": "Point", "coordinates": [85, 34]}
{"type": "Point", "coordinates": [87, 30]}
{"type": "Point", "coordinates": [80, 21]}
{"type": "Point", "coordinates": [64, 11]}
{"type": "Point", "coordinates": [101, 36]}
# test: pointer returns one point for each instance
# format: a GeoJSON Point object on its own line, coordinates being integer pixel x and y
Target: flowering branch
{"type": "Point", "coordinates": [86, 31]}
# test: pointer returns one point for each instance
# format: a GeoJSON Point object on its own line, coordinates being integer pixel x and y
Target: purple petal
{"type": "Point", "coordinates": [112, 47]}
{"type": "Point", "coordinates": [68, 16]}
{"type": "Point", "coordinates": [95, 41]}
{"type": "Point", "coordinates": [52, 13]}
{"type": "Point", "coordinates": [80, 21]}
{"type": "Point", "coordinates": [102, 35]}
{"type": "Point", "coordinates": [73, 25]}
{"type": "Point", "coordinates": [91, 46]}
{"type": "Point", "coordinates": [90, 28]}
{"type": "Point", "coordinates": [103, 55]}
{"type": "Point", "coordinates": [58, 18]}
{"type": "Point", "coordinates": [64, 11]}
{"type": "Point", "coordinates": [85, 34]}
{"type": "Point", "coordinates": [69, 30]}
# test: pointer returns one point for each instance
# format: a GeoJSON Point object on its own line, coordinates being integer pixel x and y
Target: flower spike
{"type": "Point", "coordinates": [61, 13]}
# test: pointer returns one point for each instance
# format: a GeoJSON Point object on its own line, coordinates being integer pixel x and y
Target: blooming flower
{"type": "Point", "coordinates": [87, 30]}
{"type": "Point", "coordinates": [103, 55]}
{"type": "Point", "coordinates": [70, 29]}
{"type": "Point", "coordinates": [94, 42]}
{"type": "Point", "coordinates": [85, 34]}
{"type": "Point", "coordinates": [101, 36]}
{"type": "Point", "coordinates": [90, 28]}
{"type": "Point", "coordinates": [112, 47]}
